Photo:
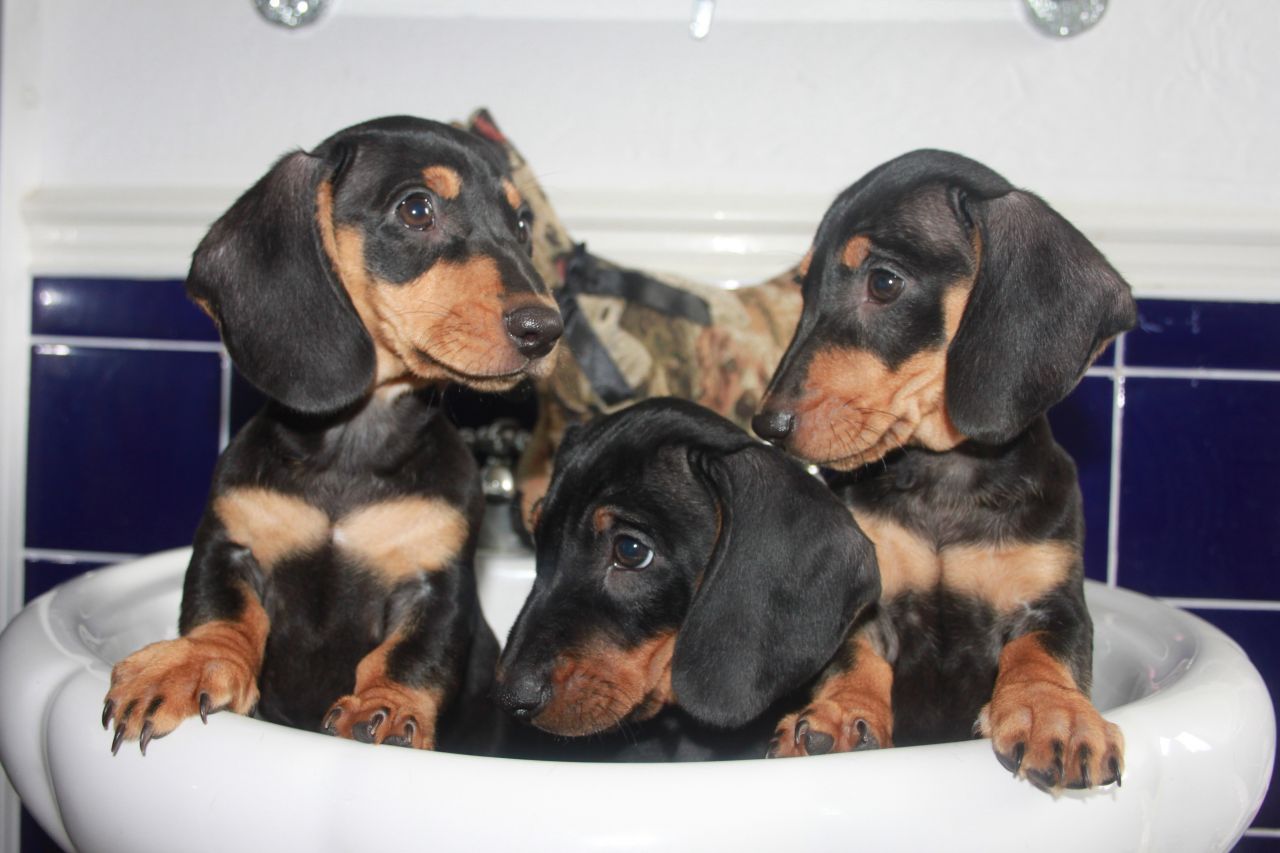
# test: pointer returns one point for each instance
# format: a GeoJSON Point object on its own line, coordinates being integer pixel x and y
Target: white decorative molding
{"type": "Point", "coordinates": [1171, 253]}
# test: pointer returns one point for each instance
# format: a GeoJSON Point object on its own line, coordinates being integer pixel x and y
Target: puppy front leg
{"type": "Point", "coordinates": [405, 683]}
{"type": "Point", "coordinates": [851, 709]}
{"type": "Point", "coordinates": [212, 666]}
{"type": "Point", "coordinates": [1043, 726]}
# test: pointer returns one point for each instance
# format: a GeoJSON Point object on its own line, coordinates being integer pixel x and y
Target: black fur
{"type": "Point", "coordinates": [351, 425]}
{"type": "Point", "coordinates": [757, 568]}
{"type": "Point", "coordinates": [1043, 304]}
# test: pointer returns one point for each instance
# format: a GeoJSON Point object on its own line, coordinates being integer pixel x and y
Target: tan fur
{"type": "Point", "coordinates": [854, 409]}
{"type": "Point", "coordinates": [449, 324]}
{"type": "Point", "coordinates": [1037, 705]}
{"type": "Point", "coordinates": [443, 181]}
{"type": "Point", "coordinates": [1002, 576]}
{"type": "Point", "coordinates": [596, 687]}
{"type": "Point", "coordinates": [863, 692]}
{"type": "Point", "coordinates": [856, 251]}
{"type": "Point", "coordinates": [347, 258]}
{"type": "Point", "coordinates": [402, 537]}
{"type": "Point", "coordinates": [513, 194]}
{"type": "Point", "coordinates": [403, 705]}
{"type": "Point", "coordinates": [220, 659]}
{"type": "Point", "coordinates": [1006, 577]}
{"type": "Point", "coordinates": [270, 524]}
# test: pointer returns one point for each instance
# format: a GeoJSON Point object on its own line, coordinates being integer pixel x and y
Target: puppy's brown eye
{"type": "Point", "coordinates": [524, 228]}
{"type": "Point", "coordinates": [884, 286]}
{"type": "Point", "coordinates": [417, 212]}
{"type": "Point", "coordinates": [631, 553]}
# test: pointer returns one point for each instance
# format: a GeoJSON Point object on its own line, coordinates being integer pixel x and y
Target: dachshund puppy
{"type": "Point", "coordinates": [682, 563]}
{"type": "Point", "coordinates": [331, 582]}
{"type": "Point", "coordinates": [944, 313]}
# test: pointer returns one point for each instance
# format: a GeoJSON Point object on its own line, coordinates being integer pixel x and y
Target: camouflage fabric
{"type": "Point", "coordinates": [631, 335]}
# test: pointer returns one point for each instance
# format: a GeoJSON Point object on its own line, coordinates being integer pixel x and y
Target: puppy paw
{"type": "Point", "coordinates": [1052, 736]}
{"type": "Point", "coordinates": [159, 686]}
{"type": "Point", "coordinates": [826, 727]}
{"type": "Point", "coordinates": [385, 712]}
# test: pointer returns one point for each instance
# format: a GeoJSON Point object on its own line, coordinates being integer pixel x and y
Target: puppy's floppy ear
{"type": "Point", "coordinates": [789, 572]}
{"type": "Point", "coordinates": [263, 274]}
{"type": "Point", "coordinates": [1044, 304]}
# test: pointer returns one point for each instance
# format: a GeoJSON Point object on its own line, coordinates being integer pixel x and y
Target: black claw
{"type": "Point", "coordinates": [1013, 763]}
{"type": "Point", "coordinates": [818, 743]}
{"type": "Point", "coordinates": [329, 721]}
{"type": "Point", "coordinates": [117, 739]}
{"type": "Point", "coordinates": [866, 739]}
{"type": "Point", "coordinates": [773, 749]}
{"type": "Point", "coordinates": [145, 737]}
{"type": "Point", "coordinates": [1045, 780]}
{"type": "Point", "coordinates": [802, 728]}
{"type": "Point", "coordinates": [1086, 778]}
{"type": "Point", "coordinates": [107, 708]}
{"type": "Point", "coordinates": [206, 708]}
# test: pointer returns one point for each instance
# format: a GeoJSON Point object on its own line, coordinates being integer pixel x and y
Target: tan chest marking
{"type": "Point", "coordinates": [400, 538]}
{"type": "Point", "coordinates": [1003, 576]}
{"type": "Point", "coordinates": [270, 524]}
{"type": "Point", "coordinates": [394, 539]}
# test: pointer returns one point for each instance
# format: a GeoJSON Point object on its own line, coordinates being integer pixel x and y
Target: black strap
{"type": "Point", "coordinates": [583, 274]}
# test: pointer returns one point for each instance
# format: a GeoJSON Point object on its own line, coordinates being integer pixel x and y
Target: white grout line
{"type": "Point", "coordinates": [1223, 604]}
{"type": "Point", "coordinates": [61, 345]}
{"type": "Point", "coordinates": [1203, 373]}
{"type": "Point", "coordinates": [224, 405]}
{"type": "Point", "coordinates": [1113, 487]}
{"type": "Point", "coordinates": [1259, 832]}
{"type": "Point", "coordinates": [56, 556]}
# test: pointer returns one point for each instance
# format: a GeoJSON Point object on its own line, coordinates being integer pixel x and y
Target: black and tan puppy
{"type": "Point", "coordinates": [331, 582]}
{"type": "Point", "coordinates": [680, 562]}
{"type": "Point", "coordinates": [944, 313]}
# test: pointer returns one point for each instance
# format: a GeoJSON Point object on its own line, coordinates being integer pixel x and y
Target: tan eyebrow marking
{"type": "Point", "coordinates": [513, 195]}
{"type": "Point", "coordinates": [443, 181]}
{"type": "Point", "coordinates": [856, 251]}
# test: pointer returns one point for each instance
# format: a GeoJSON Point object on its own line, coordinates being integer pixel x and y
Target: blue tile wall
{"type": "Point", "coordinates": [1082, 425]}
{"type": "Point", "coordinates": [1200, 488]}
{"type": "Point", "coordinates": [121, 444]}
{"type": "Point", "coordinates": [117, 308]}
{"type": "Point", "coordinates": [1224, 335]}
{"type": "Point", "coordinates": [124, 435]}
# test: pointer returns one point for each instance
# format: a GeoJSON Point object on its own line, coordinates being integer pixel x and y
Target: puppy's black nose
{"type": "Point", "coordinates": [524, 696]}
{"type": "Point", "coordinates": [535, 329]}
{"type": "Point", "coordinates": [773, 426]}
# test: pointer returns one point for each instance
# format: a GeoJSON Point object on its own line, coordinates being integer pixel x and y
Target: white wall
{"type": "Point", "coordinates": [1166, 102]}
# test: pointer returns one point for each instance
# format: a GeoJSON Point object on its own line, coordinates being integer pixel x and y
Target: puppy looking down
{"type": "Point", "coordinates": [944, 312]}
{"type": "Point", "coordinates": [680, 563]}
{"type": "Point", "coordinates": [331, 581]}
